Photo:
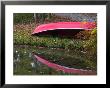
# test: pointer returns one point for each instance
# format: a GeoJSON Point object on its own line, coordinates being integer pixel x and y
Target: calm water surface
{"type": "Point", "coordinates": [26, 64]}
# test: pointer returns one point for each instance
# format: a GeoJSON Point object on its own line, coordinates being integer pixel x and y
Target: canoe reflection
{"type": "Point", "coordinates": [63, 68]}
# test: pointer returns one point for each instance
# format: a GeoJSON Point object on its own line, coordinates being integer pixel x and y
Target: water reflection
{"type": "Point", "coordinates": [26, 64]}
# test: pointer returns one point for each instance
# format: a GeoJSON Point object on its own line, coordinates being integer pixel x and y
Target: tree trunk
{"type": "Point", "coordinates": [35, 18]}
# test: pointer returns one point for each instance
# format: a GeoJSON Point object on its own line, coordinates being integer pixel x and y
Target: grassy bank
{"type": "Point", "coordinates": [22, 36]}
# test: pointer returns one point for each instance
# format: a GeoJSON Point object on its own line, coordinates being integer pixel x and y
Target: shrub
{"type": "Point", "coordinates": [83, 35]}
{"type": "Point", "coordinates": [23, 17]}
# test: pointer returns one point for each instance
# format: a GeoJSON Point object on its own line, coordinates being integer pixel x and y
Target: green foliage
{"type": "Point", "coordinates": [90, 46]}
{"type": "Point", "coordinates": [92, 42]}
{"type": "Point", "coordinates": [23, 18]}
{"type": "Point", "coordinates": [84, 35]}
{"type": "Point", "coordinates": [94, 31]}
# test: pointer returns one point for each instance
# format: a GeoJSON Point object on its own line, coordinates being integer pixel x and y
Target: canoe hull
{"type": "Point", "coordinates": [63, 28]}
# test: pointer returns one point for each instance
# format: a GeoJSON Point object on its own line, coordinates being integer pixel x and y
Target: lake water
{"type": "Point", "coordinates": [26, 64]}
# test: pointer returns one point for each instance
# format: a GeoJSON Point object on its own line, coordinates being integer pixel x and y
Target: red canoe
{"type": "Point", "coordinates": [63, 68]}
{"type": "Point", "coordinates": [64, 25]}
